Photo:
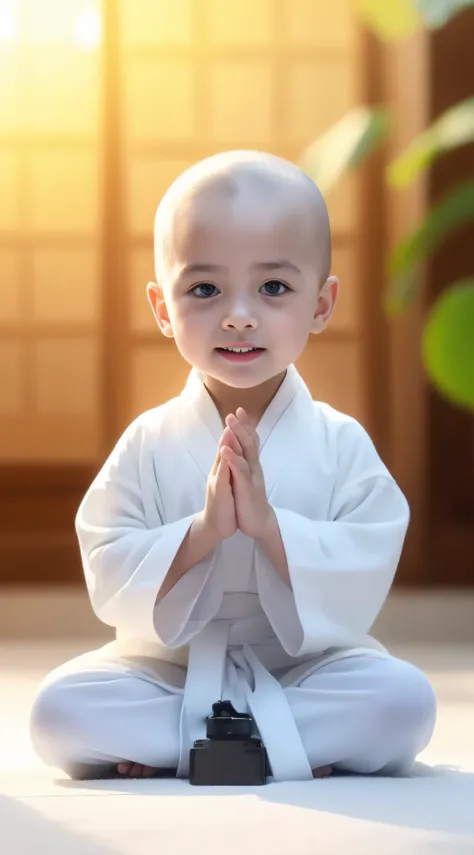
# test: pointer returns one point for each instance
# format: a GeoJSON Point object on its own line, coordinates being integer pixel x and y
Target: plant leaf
{"type": "Point", "coordinates": [391, 20]}
{"type": "Point", "coordinates": [448, 344]}
{"type": "Point", "coordinates": [401, 294]}
{"type": "Point", "coordinates": [452, 129]}
{"type": "Point", "coordinates": [436, 13]}
{"type": "Point", "coordinates": [456, 208]}
{"type": "Point", "coordinates": [345, 145]}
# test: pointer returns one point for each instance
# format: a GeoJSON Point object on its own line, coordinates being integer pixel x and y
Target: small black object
{"type": "Point", "coordinates": [230, 756]}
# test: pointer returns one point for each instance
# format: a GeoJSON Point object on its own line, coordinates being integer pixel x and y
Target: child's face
{"type": "Point", "coordinates": [243, 271]}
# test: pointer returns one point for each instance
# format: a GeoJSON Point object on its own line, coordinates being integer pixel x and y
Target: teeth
{"type": "Point", "coordinates": [240, 349]}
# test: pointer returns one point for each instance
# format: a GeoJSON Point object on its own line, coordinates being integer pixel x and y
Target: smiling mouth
{"type": "Point", "coordinates": [244, 354]}
{"type": "Point", "coordinates": [239, 349]}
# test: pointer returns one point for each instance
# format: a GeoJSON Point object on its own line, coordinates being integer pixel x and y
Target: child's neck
{"type": "Point", "coordinates": [254, 400]}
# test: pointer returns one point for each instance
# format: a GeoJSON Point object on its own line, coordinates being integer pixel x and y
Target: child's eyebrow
{"type": "Point", "coordinates": [281, 264]}
{"type": "Point", "coordinates": [201, 268]}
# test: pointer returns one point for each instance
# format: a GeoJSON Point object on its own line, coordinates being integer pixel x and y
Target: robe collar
{"type": "Point", "coordinates": [290, 409]}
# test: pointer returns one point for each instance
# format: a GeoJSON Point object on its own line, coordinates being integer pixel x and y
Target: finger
{"type": "Point", "coordinates": [237, 465]}
{"type": "Point", "coordinates": [223, 467]}
{"type": "Point", "coordinates": [216, 461]}
{"type": "Point", "coordinates": [229, 438]}
{"type": "Point", "coordinates": [218, 457]}
{"type": "Point", "coordinates": [244, 418]}
{"type": "Point", "coordinates": [222, 442]}
{"type": "Point", "coordinates": [247, 440]}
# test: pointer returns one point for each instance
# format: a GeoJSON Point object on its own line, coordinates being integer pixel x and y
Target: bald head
{"type": "Point", "coordinates": [263, 180]}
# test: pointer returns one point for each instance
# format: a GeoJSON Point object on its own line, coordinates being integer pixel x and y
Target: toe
{"type": "Point", "coordinates": [322, 772]}
{"type": "Point", "coordinates": [136, 771]}
{"type": "Point", "coordinates": [148, 771]}
{"type": "Point", "coordinates": [124, 768]}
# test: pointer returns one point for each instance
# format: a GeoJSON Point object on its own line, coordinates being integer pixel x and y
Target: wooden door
{"type": "Point", "coordinates": [450, 542]}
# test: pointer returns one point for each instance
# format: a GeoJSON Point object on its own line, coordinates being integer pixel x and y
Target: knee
{"type": "Point", "coordinates": [51, 719]}
{"type": "Point", "coordinates": [406, 700]}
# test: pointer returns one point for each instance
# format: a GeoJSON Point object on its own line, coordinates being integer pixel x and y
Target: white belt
{"type": "Point", "coordinates": [267, 703]}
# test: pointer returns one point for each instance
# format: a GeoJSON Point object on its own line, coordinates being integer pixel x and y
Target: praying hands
{"type": "Point", "coordinates": [253, 513]}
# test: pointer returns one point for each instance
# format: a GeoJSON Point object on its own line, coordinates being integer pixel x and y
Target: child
{"type": "Point", "coordinates": [241, 538]}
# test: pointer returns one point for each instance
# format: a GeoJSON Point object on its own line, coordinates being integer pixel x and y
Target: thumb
{"type": "Point", "coordinates": [223, 473]}
{"type": "Point", "coordinates": [218, 457]}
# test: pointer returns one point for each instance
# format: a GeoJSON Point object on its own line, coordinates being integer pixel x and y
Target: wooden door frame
{"type": "Point", "coordinates": [451, 439]}
{"type": "Point", "coordinates": [116, 369]}
{"type": "Point", "coordinates": [408, 87]}
{"type": "Point", "coordinates": [396, 383]}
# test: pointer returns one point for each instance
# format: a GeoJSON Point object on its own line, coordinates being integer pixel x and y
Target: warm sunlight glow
{"type": "Point", "coordinates": [46, 23]}
{"type": "Point", "coordinates": [8, 24]}
{"type": "Point", "coordinates": [87, 30]}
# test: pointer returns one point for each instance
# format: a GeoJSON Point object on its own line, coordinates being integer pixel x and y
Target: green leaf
{"type": "Point", "coordinates": [436, 13]}
{"type": "Point", "coordinates": [345, 145]}
{"type": "Point", "coordinates": [452, 129]}
{"type": "Point", "coordinates": [448, 344]}
{"type": "Point", "coordinates": [453, 211]}
{"type": "Point", "coordinates": [401, 294]}
{"type": "Point", "coordinates": [391, 20]}
{"type": "Point", "coordinates": [456, 209]}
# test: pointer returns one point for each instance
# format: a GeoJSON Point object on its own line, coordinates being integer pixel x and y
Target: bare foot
{"type": "Point", "coordinates": [322, 772]}
{"type": "Point", "coordinates": [136, 770]}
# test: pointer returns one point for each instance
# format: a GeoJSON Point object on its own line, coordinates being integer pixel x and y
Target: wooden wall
{"type": "Point", "coordinates": [82, 174]}
{"type": "Point", "coordinates": [210, 76]}
{"type": "Point", "coordinates": [93, 128]}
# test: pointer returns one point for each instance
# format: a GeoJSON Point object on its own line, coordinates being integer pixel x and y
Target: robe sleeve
{"type": "Point", "coordinates": [342, 568]}
{"type": "Point", "coordinates": [127, 552]}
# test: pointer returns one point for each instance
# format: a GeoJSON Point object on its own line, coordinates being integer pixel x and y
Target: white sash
{"type": "Point", "coordinates": [267, 702]}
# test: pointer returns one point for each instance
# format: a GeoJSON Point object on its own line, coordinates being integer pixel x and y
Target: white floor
{"type": "Point", "coordinates": [44, 813]}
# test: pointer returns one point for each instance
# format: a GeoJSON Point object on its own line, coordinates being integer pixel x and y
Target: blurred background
{"type": "Point", "coordinates": [102, 105]}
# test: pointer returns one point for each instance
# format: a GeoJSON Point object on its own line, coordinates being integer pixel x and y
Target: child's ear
{"type": "Point", "coordinates": [159, 308]}
{"type": "Point", "coordinates": [326, 302]}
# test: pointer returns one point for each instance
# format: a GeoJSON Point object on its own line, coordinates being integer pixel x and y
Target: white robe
{"type": "Point", "coordinates": [231, 619]}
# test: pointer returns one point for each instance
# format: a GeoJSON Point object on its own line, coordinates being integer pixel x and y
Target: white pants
{"type": "Point", "coordinates": [363, 714]}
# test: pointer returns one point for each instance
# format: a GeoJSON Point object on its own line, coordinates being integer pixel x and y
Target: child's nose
{"type": "Point", "coordinates": [239, 317]}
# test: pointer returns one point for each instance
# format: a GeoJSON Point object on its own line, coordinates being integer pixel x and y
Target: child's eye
{"type": "Point", "coordinates": [273, 285]}
{"type": "Point", "coordinates": [205, 286]}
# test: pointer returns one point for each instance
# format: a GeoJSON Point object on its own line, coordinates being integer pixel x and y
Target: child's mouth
{"type": "Point", "coordinates": [235, 356]}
